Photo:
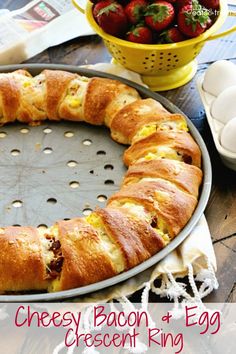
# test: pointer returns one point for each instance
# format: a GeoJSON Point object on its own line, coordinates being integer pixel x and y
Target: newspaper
{"type": "Point", "coordinates": [37, 26]}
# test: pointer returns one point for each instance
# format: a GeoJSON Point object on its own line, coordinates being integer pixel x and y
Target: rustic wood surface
{"type": "Point", "coordinates": [221, 209]}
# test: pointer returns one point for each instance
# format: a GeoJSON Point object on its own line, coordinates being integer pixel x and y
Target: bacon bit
{"type": "Point", "coordinates": [154, 222]}
{"type": "Point", "coordinates": [187, 159]}
{"type": "Point", "coordinates": [56, 245]}
{"type": "Point", "coordinates": [56, 265]}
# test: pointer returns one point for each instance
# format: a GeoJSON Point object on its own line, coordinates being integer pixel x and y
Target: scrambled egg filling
{"type": "Point", "coordinates": [75, 93]}
{"type": "Point", "coordinates": [162, 152]}
{"type": "Point", "coordinates": [149, 129]}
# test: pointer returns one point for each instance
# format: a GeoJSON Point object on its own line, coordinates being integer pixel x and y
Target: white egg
{"type": "Point", "coordinates": [228, 136]}
{"type": "Point", "coordinates": [219, 76]}
{"type": "Point", "coordinates": [223, 108]}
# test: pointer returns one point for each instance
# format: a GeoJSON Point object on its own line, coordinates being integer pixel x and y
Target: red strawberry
{"type": "Point", "coordinates": [100, 5]}
{"type": "Point", "coordinates": [135, 10]}
{"type": "Point", "coordinates": [112, 19]}
{"type": "Point", "coordinates": [210, 4]}
{"type": "Point", "coordinates": [172, 35]}
{"type": "Point", "coordinates": [193, 20]}
{"type": "Point", "coordinates": [182, 3]}
{"type": "Point", "coordinates": [140, 34]}
{"type": "Point", "coordinates": [159, 15]}
{"type": "Point", "coordinates": [95, 1]}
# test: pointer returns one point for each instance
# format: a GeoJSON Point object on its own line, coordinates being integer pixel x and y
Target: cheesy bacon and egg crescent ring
{"type": "Point", "coordinates": [158, 195]}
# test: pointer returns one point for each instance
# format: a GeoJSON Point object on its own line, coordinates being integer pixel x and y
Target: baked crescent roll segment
{"type": "Point", "coordinates": [171, 145]}
{"type": "Point", "coordinates": [57, 82]}
{"type": "Point", "coordinates": [9, 99]}
{"type": "Point", "coordinates": [105, 97]}
{"type": "Point", "coordinates": [173, 207]}
{"type": "Point", "coordinates": [184, 176]}
{"type": "Point", "coordinates": [72, 106]}
{"type": "Point", "coordinates": [141, 118]}
{"type": "Point", "coordinates": [85, 260]}
{"type": "Point", "coordinates": [32, 107]}
{"type": "Point", "coordinates": [136, 238]}
{"type": "Point", "coordinates": [22, 266]}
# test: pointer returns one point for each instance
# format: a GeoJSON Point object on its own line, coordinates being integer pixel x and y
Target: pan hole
{"type": "Point", "coordinates": [91, 172]}
{"type": "Point", "coordinates": [74, 184]}
{"type": "Point", "coordinates": [47, 130]}
{"type": "Point", "coordinates": [15, 152]}
{"type": "Point", "coordinates": [87, 142]}
{"type": "Point", "coordinates": [108, 167]}
{"type": "Point", "coordinates": [101, 152]}
{"type": "Point", "coordinates": [66, 219]}
{"type": "Point", "coordinates": [52, 201]}
{"type": "Point", "coordinates": [87, 211]}
{"type": "Point", "coordinates": [109, 182]}
{"type": "Point", "coordinates": [72, 163]}
{"type": "Point", "coordinates": [102, 198]}
{"type": "Point", "coordinates": [17, 203]}
{"type": "Point", "coordinates": [47, 150]}
{"type": "Point", "coordinates": [42, 227]}
{"type": "Point", "coordinates": [17, 225]}
{"type": "Point", "coordinates": [24, 130]}
{"type": "Point", "coordinates": [3, 135]}
{"type": "Point", "coordinates": [68, 134]}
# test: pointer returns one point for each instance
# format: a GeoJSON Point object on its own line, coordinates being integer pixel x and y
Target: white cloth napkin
{"type": "Point", "coordinates": [194, 258]}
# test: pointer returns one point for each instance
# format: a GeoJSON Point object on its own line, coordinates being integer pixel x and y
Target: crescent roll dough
{"type": "Point", "coordinates": [157, 197]}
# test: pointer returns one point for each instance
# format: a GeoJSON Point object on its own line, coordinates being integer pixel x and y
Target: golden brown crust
{"type": "Point", "coordinates": [132, 117]}
{"type": "Point", "coordinates": [9, 99]}
{"type": "Point", "coordinates": [136, 238]}
{"type": "Point", "coordinates": [85, 262]}
{"type": "Point", "coordinates": [23, 72]}
{"type": "Point", "coordinates": [184, 176]}
{"type": "Point", "coordinates": [174, 206]}
{"type": "Point", "coordinates": [181, 142]}
{"type": "Point", "coordinates": [56, 86]}
{"type": "Point", "coordinates": [21, 262]}
{"type": "Point", "coordinates": [99, 102]}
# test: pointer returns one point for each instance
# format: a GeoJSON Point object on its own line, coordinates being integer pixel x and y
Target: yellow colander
{"type": "Point", "coordinates": [162, 66]}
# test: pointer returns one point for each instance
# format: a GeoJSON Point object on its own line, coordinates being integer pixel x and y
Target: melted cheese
{"type": "Point", "coordinates": [48, 255]}
{"type": "Point", "coordinates": [137, 210]}
{"type": "Point", "coordinates": [106, 242]}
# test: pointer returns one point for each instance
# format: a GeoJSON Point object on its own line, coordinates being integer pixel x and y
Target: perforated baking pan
{"type": "Point", "coordinates": [69, 168]}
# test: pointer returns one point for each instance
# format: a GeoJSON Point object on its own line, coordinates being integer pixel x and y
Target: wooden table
{"type": "Point", "coordinates": [221, 209]}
